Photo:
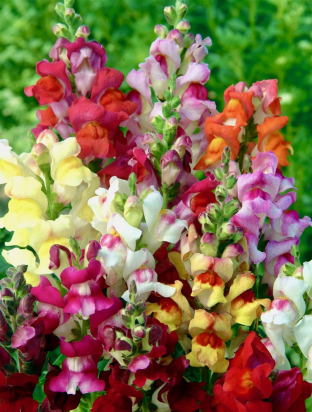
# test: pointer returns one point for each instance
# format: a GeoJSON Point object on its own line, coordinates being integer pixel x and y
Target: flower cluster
{"type": "Point", "coordinates": [155, 260]}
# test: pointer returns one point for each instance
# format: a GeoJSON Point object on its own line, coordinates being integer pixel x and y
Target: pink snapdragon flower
{"type": "Point", "coordinates": [79, 368]}
{"type": "Point", "coordinates": [84, 294]}
{"type": "Point", "coordinates": [86, 59]}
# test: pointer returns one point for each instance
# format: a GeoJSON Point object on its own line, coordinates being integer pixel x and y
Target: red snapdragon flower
{"type": "Point", "coordinates": [246, 385]}
{"type": "Point", "coordinates": [16, 393]}
{"type": "Point", "coordinates": [290, 391]}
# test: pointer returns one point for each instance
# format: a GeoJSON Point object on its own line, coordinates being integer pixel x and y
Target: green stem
{"type": "Point", "coordinates": [165, 193]}
{"type": "Point", "coordinates": [205, 376]}
{"type": "Point", "coordinates": [84, 327]}
{"type": "Point", "coordinates": [144, 405]}
{"type": "Point", "coordinates": [20, 365]}
{"type": "Point", "coordinates": [50, 211]}
{"type": "Point", "coordinates": [242, 152]}
{"type": "Point", "coordinates": [301, 361]}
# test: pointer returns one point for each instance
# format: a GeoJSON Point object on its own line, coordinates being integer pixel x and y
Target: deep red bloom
{"type": "Point", "coordinates": [16, 393]}
{"type": "Point", "coordinates": [112, 402]}
{"type": "Point", "coordinates": [56, 400]}
{"type": "Point", "coordinates": [185, 396]}
{"type": "Point", "coordinates": [118, 392]}
{"type": "Point", "coordinates": [290, 391]}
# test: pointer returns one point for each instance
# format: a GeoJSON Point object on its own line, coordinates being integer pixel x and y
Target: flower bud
{"type": "Point", "coordinates": [77, 19]}
{"type": "Point", "coordinates": [158, 123]}
{"type": "Point", "coordinates": [60, 30]}
{"type": "Point", "coordinates": [166, 109]}
{"type": "Point", "coordinates": [230, 182]}
{"type": "Point", "coordinates": [181, 10]}
{"type": "Point", "coordinates": [60, 9]}
{"type": "Point", "coordinates": [226, 155]}
{"type": "Point", "coordinates": [168, 94]}
{"type": "Point", "coordinates": [221, 193]}
{"type": "Point", "coordinates": [26, 306]}
{"type": "Point", "coordinates": [227, 230]}
{"type": "Point", "coordinates": [130, 309]}
{"type": "Point", "coordinates": [189, 39]}
{"type": "Point", "coordinates": [238, 234]}
{"type": "Point", "coordinates": [125, 345]}
{"type": "Point", "coordinates": [202, 218]}
{"type": "Point", "coordinates": [69, 3]}
{"type": "Point", "coordinates": [5, 282]}
{"type": "Point", "coordinates": [247, 163]}
{"type": "Point", "coordinates": [145, 193]}
{"type": "Point", "coordinates": [182, 144]}
{"type": "Point", "coordinates": [150, 139]}
{"type": "Point", "coordinates": [161, 31]}
{"type": "Point", "coordinates": [83, 31]}
{"type": "Point", "coordinates": [133, 211]}
{"type": "Point", "coordinates": [120, 200]}
{"type": "Point", "coordinates": [69, 13]}
{"type": "Point", "coordinates": [175, 102]}
{"type": "Point", "coordinates": [175, 35]}
{"type": "Point", "coordinates": [207, 225]}
{"type": "Point", "coordinates": [231, 208]}
{"type": "Point", "coordinates": [139, 332]}
{"type": "Point", "coordinates": [48, 138]}
{"type": "Point", "coordinates": [132, 291]}
{"type": "Point", "coordinates": [170, 130]}
{"type": "Point", "coordinates": [183, 27]}
{"type": "Point", "coordinates": [176, 115]}
{"type": "Point", "coordinates": [209, 244]}
{"type": "Point", "coordinates": [6, 293]}
{"type": "Point", "coordinates": [170, 15]}
{"type": "Point", "coordinates": [226, 168]}
{"type": "Point", "coordinates": [171, 167]}
{"type": "Point", "coordinates": [41, 155]}
{"type": "Point", "coordinates": [214, 212]}
{"type": "Point", "coordinates": [18, 280]}
{"type": "Point", "coordinates": [218, 172]}
{"type": "Point", "coordinates": [75, 248]}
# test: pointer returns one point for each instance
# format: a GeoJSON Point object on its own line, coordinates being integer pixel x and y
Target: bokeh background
{"type": "Point", "coordinates": [252, 40]}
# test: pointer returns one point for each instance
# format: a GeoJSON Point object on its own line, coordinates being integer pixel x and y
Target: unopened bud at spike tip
{"type": "Point", "coordinates": [60, 9]}
{"type": "Point", "coordinates": [170, 15]}
{"type": "Point", "coordinates": [181, 9]}
{"type": "Point", "coordinates": [226, 155]}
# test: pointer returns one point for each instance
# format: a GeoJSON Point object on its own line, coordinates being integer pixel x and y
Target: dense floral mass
{"type": "Point", "coordinates": [154, 251]}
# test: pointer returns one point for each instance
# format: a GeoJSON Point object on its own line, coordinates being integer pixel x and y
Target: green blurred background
{"type": "Point", "coordinates": [252, 40]}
